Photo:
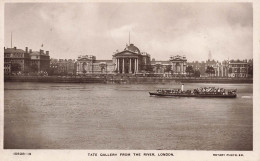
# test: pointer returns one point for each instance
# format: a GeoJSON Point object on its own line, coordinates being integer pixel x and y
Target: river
{"type": "Point", "coordinates": [114, 116]}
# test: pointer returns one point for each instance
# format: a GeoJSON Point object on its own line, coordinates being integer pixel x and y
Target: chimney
{"type": "Point", "coordinates": [26, 49]}
{"type": "Point", "coordinates": [30, 50]}
{"type": "Point", "coordinates": [41, 51]}
{"type": "Point", "coordinates": [47, 53]}
{"type": "Point", "coordinates": [15, 48]}
{"type": "Point", "coordinates": [4, 48]}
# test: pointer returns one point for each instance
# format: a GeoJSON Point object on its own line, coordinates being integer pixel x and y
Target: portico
{"type": "Point", "coordinates": [127, 64]}
{"type": "Point", "coordinates": [128, 61]}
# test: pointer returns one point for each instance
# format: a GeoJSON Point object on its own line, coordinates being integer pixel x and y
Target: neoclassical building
{"type": "Point", "coordinates": [179, 64]}
{"type": "Point", "coordinates": [131, 60]}
{"type": "Point", "coordinates": [87, 64]}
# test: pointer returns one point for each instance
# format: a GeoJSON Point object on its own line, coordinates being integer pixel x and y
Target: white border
{"type": "Point", "coordinates": [82, 155]}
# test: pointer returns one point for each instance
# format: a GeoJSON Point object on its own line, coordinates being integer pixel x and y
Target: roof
{"type": "Point", "coordinates": [101, 61]}
{"type": "Point", "coordinates": [238, 61]}
{"type": "Point", "coordinates": [37, 53]}
{"type": "Point", "coordinates": [161, 62]}
{"type": "Point", "coordinates": [132, 48]}
{"type": "Point", "coordinates": [13, 50]}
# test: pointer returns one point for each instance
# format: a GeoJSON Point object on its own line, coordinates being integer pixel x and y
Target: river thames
{"type": "Point", "coordinates": [114, 116]}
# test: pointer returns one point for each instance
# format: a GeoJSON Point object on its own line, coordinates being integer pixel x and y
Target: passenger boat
{"type": "Point", "coordinates": [199, 92]}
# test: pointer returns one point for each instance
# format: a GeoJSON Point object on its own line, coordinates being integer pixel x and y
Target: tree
{"type": "Point", "coordinates": [15, 67]}
{"type": "Point", "coordinates": [50, 71]}
{"type": "Point", "coordinates": [196, 73]}
{"type": "Point", "coordinates": [210, 70]}
{"type": "Point", "coordinates": [149, 68]}
{"type": "Point", "coordinates": [34, 67]}
{"type": "Point", "coordinates": [168, 68]}
{"type": "Point", "coordinates": [250, 70]}
{"type": "Point", "coordinates": [189, 70]}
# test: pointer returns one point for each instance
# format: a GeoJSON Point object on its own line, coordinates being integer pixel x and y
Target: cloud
{"type": "Point", "coordinates": [161, 29]}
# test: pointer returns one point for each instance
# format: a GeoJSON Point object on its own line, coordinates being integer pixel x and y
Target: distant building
{"type": "Point", "coordinates": [200, 66]}
{"type": "Point", "coordinates": [87, 64]}
{"type": "Point", "coordinates": [161, 66]}
{"type": "Point", "coordinates": [16, 56]}
{"type": "Point", "coordinates": [7, 68]}
{"type": "Point", "coordinates": [62, 67]}
{"type": "Point", "coordinates": [238, 68]}
{"type": "Point", "coordinates": [29, 61]}
{"type": "Point", "coordinates": [250, 68]}
{"type": "Point", "coordinates": [179, 64]}
{"type": "Point", "coordinates": [40, 61]}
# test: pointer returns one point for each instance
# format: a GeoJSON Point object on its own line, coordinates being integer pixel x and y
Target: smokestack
{"type": "Point", "coordinates": [30, 50]}
{"type": "Point", "coordinates": [26, 49]}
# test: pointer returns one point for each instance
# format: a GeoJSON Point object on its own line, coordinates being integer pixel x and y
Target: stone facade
{"type": "Point", "coordinates": [41, 60]}
{"type": "Point", "coordinates": [63, 66]}
{"type": "Point", "coordinates": [26, 59]}
{"type": "Point", "coordinates": [131, 60]}
{"type": "Point", "coordinates": [238, 68]}
{"type": "Point", "coordinates": [87, 64]}
{"type": "Point", "coordinates": [179, 64]}
{"type": "Point", "coordinates": [160, 67]}
{"type": "Point", "coordinates": [16, 56]}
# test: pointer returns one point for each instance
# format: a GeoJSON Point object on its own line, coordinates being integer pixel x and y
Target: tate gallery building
{"type": "Point", "coordinates": [128, 61]}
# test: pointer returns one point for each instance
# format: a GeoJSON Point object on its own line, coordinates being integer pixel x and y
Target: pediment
{"type": "Point", "coordinates": [126, 53]}
{"type": "Point", "coordinates": [84, 59]}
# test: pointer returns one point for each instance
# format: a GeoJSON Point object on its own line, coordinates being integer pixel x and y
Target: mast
{"type": "Point", "coordinates": [129, 38]}
{"type": "Point", "coordinates": [11, 39]}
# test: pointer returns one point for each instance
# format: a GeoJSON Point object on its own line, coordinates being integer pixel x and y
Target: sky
{"type": "Point", "coordinates": [162, 30]}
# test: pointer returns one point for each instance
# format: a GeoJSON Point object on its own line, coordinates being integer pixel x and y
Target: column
{"type": "Point", "coordinates": [173, 67]}
{"type": "Point", "coordinates": [218, 71]}
{"type": "Point", "coordinates": [137, 65]}
{"type": "Point", "coordinates": [130, 69]}
{"type": "Point", "coordinates": [80, 67]}
{"type": "Point", "coordinates": [222, 71]}
{"type": "Point", "coordinates": [116, 64]}
{"type": "Point", "coordinates": [123, 71]}
{"type": "Point", "coordinates": [181, 68]}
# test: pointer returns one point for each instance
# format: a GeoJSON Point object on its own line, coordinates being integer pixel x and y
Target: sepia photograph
{"type": "Point", "coordinates": [128, 76]}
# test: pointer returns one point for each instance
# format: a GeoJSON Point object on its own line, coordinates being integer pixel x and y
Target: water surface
{"type": "Point", "coordinates": [103, 116]}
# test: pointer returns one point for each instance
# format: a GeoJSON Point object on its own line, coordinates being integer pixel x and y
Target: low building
{"type": "Point", "coordinates": [87, 64]}
{"type": "Point", "coordinates": [62, 67]}
{"type": "Point", "coordinates": [160, 67]}
{"type": "Point", "coordinates": [238, 68]}
{"type": "Point", "coordinates": [40, 61]}
{"type": "Point", "coordinates": [17, 56]}
{"type": "Point", "coordinates": [7, 68]}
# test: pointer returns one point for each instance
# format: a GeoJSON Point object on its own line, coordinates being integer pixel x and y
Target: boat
{"type": "Point", "coordinates": [199, 92]}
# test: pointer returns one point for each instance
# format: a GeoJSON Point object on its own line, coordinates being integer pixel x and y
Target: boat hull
{"type": "Point", "coordinates": [192, 95]}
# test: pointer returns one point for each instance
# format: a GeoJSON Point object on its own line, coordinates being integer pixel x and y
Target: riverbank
{"type": "Point", "coordinates": [123, 79]}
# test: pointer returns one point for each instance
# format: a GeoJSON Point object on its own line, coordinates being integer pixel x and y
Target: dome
{"type": "Point", "coordinates": [132, 48]}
